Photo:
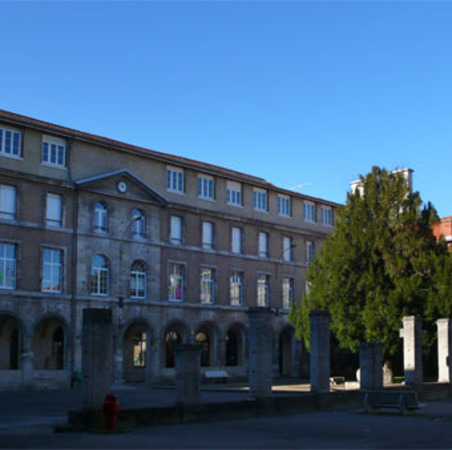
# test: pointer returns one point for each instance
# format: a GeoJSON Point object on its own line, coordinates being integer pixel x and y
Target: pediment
{"type": "Point", "coordinates": [121, 183]}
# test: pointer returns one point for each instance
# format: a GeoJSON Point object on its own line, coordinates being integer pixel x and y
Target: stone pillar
{"type": "Point", "coordinates": [260, 351]}
{"type": "Point", "coordinates": [444, 348]}
{"type": "Point", "coordinates": [155, 359]}
{"type": "Point", "coordinates": [320, 351]}
{"type": "Point", "coordinates": [188, 373]}
{"type": "Point", "coordinates": [97, 356]}
{"type": "Point", "coordinates": [26, 361]}
{"type": "Point", "coordinates": [371, 362]}
{"type": "Point", "coordinates": [412, 349]}
{"type": "Point", "coordinates": [221, 352]}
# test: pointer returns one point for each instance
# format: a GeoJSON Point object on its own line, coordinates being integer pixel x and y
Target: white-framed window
{"type": "Point", "coordinates": [263, 245]}
{"type": "Point", "coordinates": [207, 287]}
{"type": "Point", "coordinates": [287, 248]}
{"type": "Point", "coordinates": [263, 290]}
{"type": "Point", "coordinates": [176, 282]}
{"type": "Point", "coordinates": [206, 187]}
{"type": "Point", "coordinates": [236, 287]}
{"type": "Point", "coordinates": [327, 216]}
{"type": "Point", "coordinates": [53, 151]}
{"type": "Point", "coordinates": [310, 251]}
{"type": "Point", "coordinates": [52, 270]}
{"type": "Point", "coordinates": [99, 276]}
{"type": "Point", "coordinates": [176, 230]}
{"type": "Point", "coordinates": [7, 202]}
{"type": "Point", "coordinates": [260, 200]}
{"type": "Point", "coordinates": [10, 142]}
{"type": "Point", "coordinates": [139, 224]}
{"type": "Point", "coordinates": [138, 279]}
{"type": "Point", "coordinates": [207, 235]}
{"type": "Point", "coordinates": [100, 218]}
{"type": "Point", "coordinates": [236, 240]}
{"type": "Point", "coordinates": [287, 292]}
{"type": "Point", "coordinates": [175, 180]}
{"type": "Point", "coordinates": [233, 193]}
{"type": "Point", "coordinates": [7, 266]}
{"type": "Point", "coordinates": [53, 210]}
{"type": "Point", "coordinates": [284, 205]}
{"type": "Point", "coordinates": [309, 211]}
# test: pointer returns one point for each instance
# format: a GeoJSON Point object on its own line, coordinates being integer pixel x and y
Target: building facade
{"type": "Point", "coordinates": [176, 248]}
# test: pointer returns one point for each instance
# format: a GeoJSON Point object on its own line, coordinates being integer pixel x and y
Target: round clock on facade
{"type": "Point", "coordinates": [122, 186]}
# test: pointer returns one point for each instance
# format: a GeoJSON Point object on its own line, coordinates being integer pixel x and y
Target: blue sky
{"type": "Point", "coordinates": [302, 93]}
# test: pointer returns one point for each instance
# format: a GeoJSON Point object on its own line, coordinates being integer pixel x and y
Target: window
{"type": "Point", "coordinates": [176, 282]}
{"type": "Point", "coordinates": [263, 245]}
{"type": "Point", "coordinates": [263, 290]}
{"type": "Point", "coordinates": [10, 142]}
{"type": "Point", "coordinates": [205, 187]}
{"type": "Point", "coordinates": [138, 280]}
{"type": "Point", "coordinates": [207, 235]}
{"type": "Point", "coordinates": [207, 285]}
{"type": "Point", "coordinates": [287, 248]}
{"type": "Point", "coordinates": [139, 224]}
{"type": "Point", "coordinates": [234, 193]}
{"type": "Point", "coordinates": [7, 266]}
{"type": "Point", "coordinates": [99, 276]}
{"type": "Point", "coordinates": [287, 292]}
{"type": "Point", "coordinates": [53, 210]}
{"type": "Point", "coordinates": [236, 287]}
{"type": "Point", "coordinates": [236, 240]}
{"type": "Point", "coordinates": [52, 270]}
{"type": "Point", "coordinates": [309, 211]}
{"type": "Point", "coordinates": [53, 151]}
{"type": "Point", "coordinates": [260, 200]}
{"type": "Point", "coordinates": [284, 205]}
{"type": "Point", "coordinates": [175, 180]}
{"type": "Point", "coordinates": [327, 216]}
{"type": "Point", "coordinates": [100, 218]}
{"type": "Point", "coordinates": [176, 230]}
{"type": "Point", "coordinates": [310, 251]}
{"type": "Point", "coordinates": [139, 350]}
{"type": "Point", "coordinates": [7, 202]}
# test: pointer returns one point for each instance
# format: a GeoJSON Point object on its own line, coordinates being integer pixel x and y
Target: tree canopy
{"type": "Point", "coordinates": [381, 263]}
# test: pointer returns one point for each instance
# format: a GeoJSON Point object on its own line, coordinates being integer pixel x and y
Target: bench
{"type": "Point", "coordinates": [406, 402]}
{"type": "Point", "coordinates": [220, 376]}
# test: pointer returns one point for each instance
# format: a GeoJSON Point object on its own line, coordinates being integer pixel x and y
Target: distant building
{"type": "Point", "coordinates": [177, 249]}
{"type": "Point", "coordinates": [444, 228]}
{"type": "Point", "coordinates": [406, 172]}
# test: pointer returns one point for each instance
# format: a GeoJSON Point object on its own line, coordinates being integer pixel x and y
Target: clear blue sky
{"type": "Point", "coordinates": [300, 93]}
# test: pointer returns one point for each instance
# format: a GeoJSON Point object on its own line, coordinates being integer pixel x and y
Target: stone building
{"type": "Point", "coordinates": [176, 248]}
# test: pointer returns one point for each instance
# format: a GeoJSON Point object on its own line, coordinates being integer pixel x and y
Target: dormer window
{"type": "Point", "coordinates": [53, 151]}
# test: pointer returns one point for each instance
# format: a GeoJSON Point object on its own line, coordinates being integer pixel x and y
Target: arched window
{"type": "Point", "coordinates": [171, 339]}
{"type": "Point", "coordinates": [138, 280]}
{"type": "Point", "coordinates": [99, 276]}
{"type": "Point", "coordinates": [100, 218]}
{"type": "Point", "coordinates": [203, 339]}
{"type": "Point", "coordinates": [58, 348]}
{"type": "Point", "coordinates": [139, 224]}
{"type": "Point", "coordinates": [139, 349]}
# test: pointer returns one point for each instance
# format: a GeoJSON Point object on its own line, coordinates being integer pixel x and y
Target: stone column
{"type": "Point", "coordinates": [320, 351]}
{"type": "Point", "coordinates": [221, 352]}
{"type": "Point", "coordinates": [371, 362]}
{"type": "Point", "coordinates": [155, 358]}
{"type": "Point", "coordinates": [188, 373]}
{"type": "Point", "coordinates": [26, 361]}
{"type": "Point", "coordinates": [412, 349]}
{"type": "Point", "coordinates": [444, 348]}
{"type": "Point", "coordinates": [97, 356]}
{"type": "Point", "coordinates": [260, 351]}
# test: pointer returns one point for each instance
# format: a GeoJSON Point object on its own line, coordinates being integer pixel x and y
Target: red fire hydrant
{"type": "Point", "coordinates": [111, 411]}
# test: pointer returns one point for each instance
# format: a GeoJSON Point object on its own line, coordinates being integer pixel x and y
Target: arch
{"type": "Point", "coordinates": [286, 351]}
{"type": "Point", "coordinates": [136, 347]}
{"type": "Point", "coordinates": [50, 343]}
{"type": "Point", "coordinates": [138, 273]}
{"type": "Point", "coordinates": [235, 345]}
{"type": "Point", "coordinates": [11, 330]}
{"type": "Point", "coordinates": [207, 336]}
{"type": "Point", "coordinates": [176, 332]}
{"type": "Point", "coordinates": [99, 275]}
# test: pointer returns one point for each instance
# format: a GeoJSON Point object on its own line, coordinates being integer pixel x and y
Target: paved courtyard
{"type": "Point", "coordinates": [27, 420]}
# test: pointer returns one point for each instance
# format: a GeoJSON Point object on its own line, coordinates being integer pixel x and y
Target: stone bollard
{"type": "Point", "coordinates": [412, 349]}
{"type": "Point", "coordinates": [260, 351]}
{"type": "Point", "coordinates": [320, 351]}
{"type": "Point", "coordinates": [188, 373]}
{"type": "Point", "coordinates": [97, 356]}
{"type": "Point", "coordinates": [444, 347]}
{"type": "Point", "coordinates": [370, 362]}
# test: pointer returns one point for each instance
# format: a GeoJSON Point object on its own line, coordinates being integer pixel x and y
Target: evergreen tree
{"type": "Point", "coordinates": [381, 263]}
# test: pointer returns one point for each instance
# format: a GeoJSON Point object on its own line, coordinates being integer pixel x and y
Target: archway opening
{"type": "Point", "coordinates": [49, 345]}
{"type": "Point", "coordinates": [135, 353]}
{"type": "Point", "coordinates": [203, 340]}
{"type": "Point", "coordinates": [9, 343]}
{"type": "Point", "coordinates": [234, 347]}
